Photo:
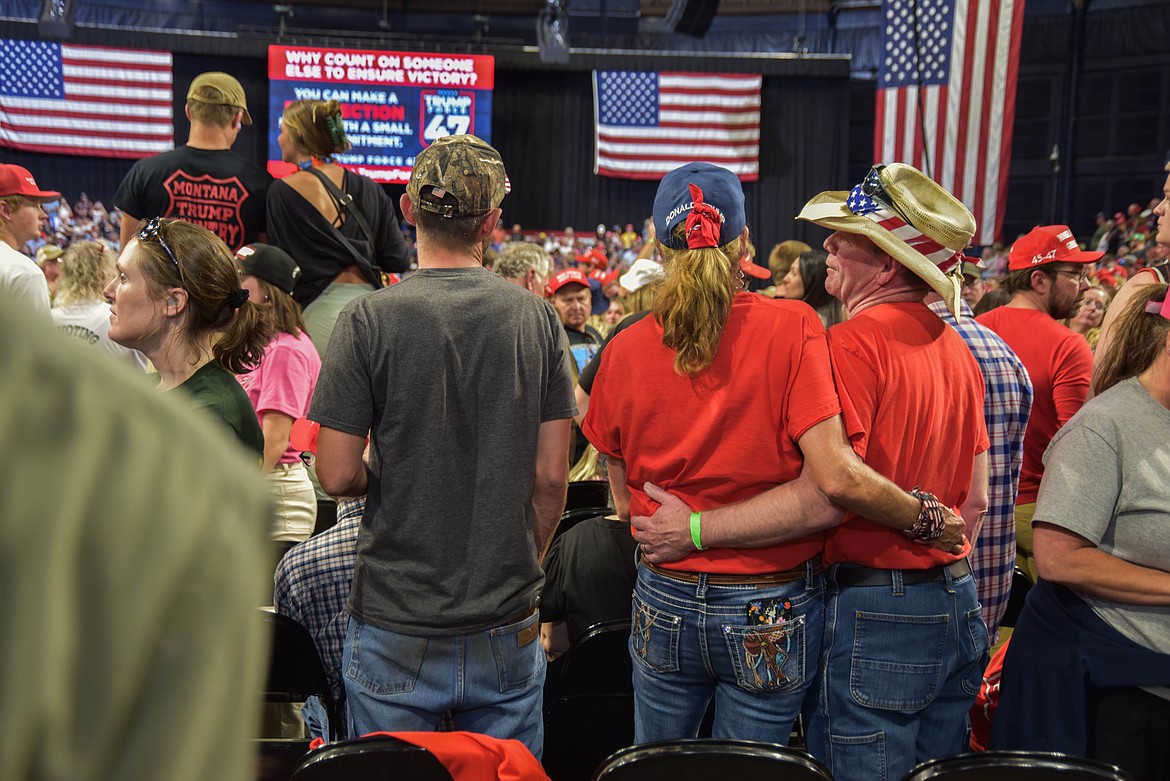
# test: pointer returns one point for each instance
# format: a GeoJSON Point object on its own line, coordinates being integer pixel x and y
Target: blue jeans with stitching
{"type": "Point", "coordinates": [691, 642]}
{"type": "Point", "coordinates": [492, 681]}
{"type": "Point", "coordinates": [901, 666]}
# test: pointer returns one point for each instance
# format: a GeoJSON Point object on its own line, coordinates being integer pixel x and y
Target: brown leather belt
{"type": "Point", "coordinates": [725, 579]}
{"type": "Point", "coordinates": [850, 575]}
{"type": "Point", "coordinates": [528, 634]}
{"type": "Point", "coordinates": [516, 619]}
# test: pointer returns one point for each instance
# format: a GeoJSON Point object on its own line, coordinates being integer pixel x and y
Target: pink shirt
{"type": "Point", "coordinates": [284, 381]}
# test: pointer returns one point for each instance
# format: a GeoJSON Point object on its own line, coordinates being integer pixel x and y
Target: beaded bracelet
{"type": "Point", "coordinates": [931, 521]}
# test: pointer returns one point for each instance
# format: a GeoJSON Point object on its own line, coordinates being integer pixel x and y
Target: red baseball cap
{"type": "Point", "coordinates": [610, 278]}
{"type": "Point", "coordinates": [753, 269]}
{"type": "Point", "coordinates": [303, 436]}
{"type": "Point", "coordinates": [1046, 244]}
{"type": "Point", "coordinates": [569, 276]}
{"type": "Point", "coordinates": [15, 180]}
{"type": "Point", "coordinates": [593, 257]}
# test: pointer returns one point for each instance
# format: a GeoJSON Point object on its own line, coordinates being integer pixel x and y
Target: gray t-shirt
{"type": "Point", "coordinates": [453, 371]}
{"type": "Point", "coordinates": [1107, 478]}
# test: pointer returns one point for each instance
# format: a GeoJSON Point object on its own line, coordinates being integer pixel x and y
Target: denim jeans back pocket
{"type": "Point", "coordinates": [976, 652]}
{"type": "Point", "coordinates": [384, 662]}
{"type": "Point", "coordinates": [654, 637]}
{"type": "Point", "coordinates": [518, 653]}
{"type": "Point", "coordinates": [897, 660]}
{"type": "Point", "coordinates": [768, 658]}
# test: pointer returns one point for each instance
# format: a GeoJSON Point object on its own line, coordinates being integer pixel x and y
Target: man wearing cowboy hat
{"type": "Point", "coordinates": [904, 644]}
{"type": "Point", "coordinates": [1047, 274]}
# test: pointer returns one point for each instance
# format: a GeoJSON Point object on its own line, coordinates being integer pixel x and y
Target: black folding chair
{"type": "Point", "coordinates": [589, 702]}
{"type": "Point", "coordinates": [701, 759]}
{"type": "Point", "coordinates": [587, 493]}
{"type": "Point", "coordinates": [571, 518]}
{"type": "Point", "coordinates": [1015, 766]}
{"type": "Point", "coordinates": [1021, 585]}
{"type": "Point", "coordinates": [295, 672]}
{"type": "Point", "coordinates": [377, 758]}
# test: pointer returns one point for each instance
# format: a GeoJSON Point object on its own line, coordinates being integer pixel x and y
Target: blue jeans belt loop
{"type": "Point", "coordinates": [811, 567]}
{"type": "Point", "coordinates": [850, 575]}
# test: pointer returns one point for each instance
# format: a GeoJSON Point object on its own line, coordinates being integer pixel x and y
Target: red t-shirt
{"type": "Point", "coordinates": [912, 401]}
{"type": "Point", "coordinates": [1060, 364]}
{"type": "Point", "coordinates": [726, 435]}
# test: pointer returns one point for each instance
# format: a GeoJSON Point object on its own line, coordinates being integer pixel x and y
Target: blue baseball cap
{"type": "Point", "coordinates": [701, 183]}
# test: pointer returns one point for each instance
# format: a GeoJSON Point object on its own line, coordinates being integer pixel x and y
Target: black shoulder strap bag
{"type": "Point", "coordinates": [344, 202]}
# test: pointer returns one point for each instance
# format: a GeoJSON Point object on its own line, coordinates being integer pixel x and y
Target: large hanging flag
{"type": "Point", "coordinates": [648, 124]}
{"type": "Point", "coordinates": [946, 97]}
{"type": "Point", "coordinates": [85, 100]}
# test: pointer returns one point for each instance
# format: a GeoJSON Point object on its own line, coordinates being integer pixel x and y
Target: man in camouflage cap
{"type": "Point", "coordinates": [462, 382]}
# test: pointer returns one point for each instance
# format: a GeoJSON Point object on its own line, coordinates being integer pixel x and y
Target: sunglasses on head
{"type": "Point", "coordinates": [151, 231]}
{"type": "Point", "coordinates": [872, 187]}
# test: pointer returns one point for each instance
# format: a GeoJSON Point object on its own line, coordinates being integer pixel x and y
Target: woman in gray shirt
{"type": "Point", "coordinates": [1089, 664]}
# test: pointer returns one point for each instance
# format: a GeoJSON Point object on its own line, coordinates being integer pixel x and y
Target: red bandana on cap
{"type": "Point", "coordinates": [703, 223]}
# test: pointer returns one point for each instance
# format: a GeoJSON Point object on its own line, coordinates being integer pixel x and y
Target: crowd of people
{"type": "Point", "coordinates": [825, 465]}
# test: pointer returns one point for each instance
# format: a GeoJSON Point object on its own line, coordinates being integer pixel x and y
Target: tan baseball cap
{"type": "Point", "coordinates": [219, 89]}
{"type": "Point", "coordinates": [458, 176]}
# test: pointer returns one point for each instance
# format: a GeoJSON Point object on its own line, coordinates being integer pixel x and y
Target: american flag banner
{"type": "Point", "coordinates": [647, 124]}
{"type": "Point", "coordinates": [946, 97]}
{"type": "Point", "coordinates": [85, 100]}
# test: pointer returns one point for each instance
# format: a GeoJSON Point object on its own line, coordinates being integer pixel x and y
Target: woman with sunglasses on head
{"type": "Point", "coordinates": [176, 297]}
{"type": "Point", "coordinates": [281, 388]}
{"type": "Point", "coordinates": [1088, 669]}
{"type": "Point", "coordinates": [339, 261]}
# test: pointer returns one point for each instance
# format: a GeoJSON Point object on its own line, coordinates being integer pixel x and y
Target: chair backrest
{"type": "Point", "coordinates": [701, 759]}
{"type": "Point", "coordinates": [589, 702]}
{"type": "Point", "coordinates": [1021, 585]}
{"type": "Point", "coordinates": [295, 671]}
{"type": "Point", "coordinates": [587, 493]}
{"type": "Point", "coordinates": [570, 518]}
{"type": "Point", "coordinates": [1015, 766]}
{"type": "Point", "coordinates": [378, 758]}
{"type": "Point", "coordinates": [326, 516]}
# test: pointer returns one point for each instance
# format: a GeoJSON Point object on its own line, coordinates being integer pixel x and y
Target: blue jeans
{"type": "Point", "coordinates": [492, 681]}
{"type": "Point", "coordinates": [692, 641]}
{"type": "Point", "coordinates": [902, 664]}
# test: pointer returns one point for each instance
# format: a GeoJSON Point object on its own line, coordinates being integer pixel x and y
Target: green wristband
{"type": "Point", "coordinates": [696, 531]}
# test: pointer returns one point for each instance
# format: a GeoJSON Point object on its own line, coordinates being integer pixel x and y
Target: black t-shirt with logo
{"type": "Point", "coordinates": [217, 189]}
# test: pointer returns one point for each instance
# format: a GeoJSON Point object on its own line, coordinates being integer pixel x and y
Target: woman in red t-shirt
{"type": "Point", "coordinates": [689, 399]}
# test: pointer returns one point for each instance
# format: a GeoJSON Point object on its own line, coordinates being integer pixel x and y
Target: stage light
{"type": "Point", "coordinates": [552, 32]}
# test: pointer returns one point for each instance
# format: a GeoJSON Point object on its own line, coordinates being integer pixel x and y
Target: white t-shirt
{"type": "Point", "coordinates": [21, 277]}
{"type": "Point", "coordinates": [90, 323]}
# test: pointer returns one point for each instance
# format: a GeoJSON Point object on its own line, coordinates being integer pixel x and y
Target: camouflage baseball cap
{"type": "Point", "coordinates": [458, 176]}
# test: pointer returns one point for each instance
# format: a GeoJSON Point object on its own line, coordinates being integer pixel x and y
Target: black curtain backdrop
{"type": "Point", "coordinates": [543, 126]}
{"type": "Point", "coordinates": [542, 123]}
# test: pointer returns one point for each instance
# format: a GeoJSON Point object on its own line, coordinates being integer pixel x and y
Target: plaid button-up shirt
{"type": "Point", "coordinates": [312, 586]}
{"type": "Point", "coordinates": [1007, 403]}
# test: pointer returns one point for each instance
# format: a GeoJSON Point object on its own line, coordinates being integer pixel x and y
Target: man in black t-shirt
{"type": "Point", "coordinates": [203, 182]}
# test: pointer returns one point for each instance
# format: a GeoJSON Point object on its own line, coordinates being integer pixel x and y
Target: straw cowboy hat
{"type": "Point", "coordinates": [910, 217]}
